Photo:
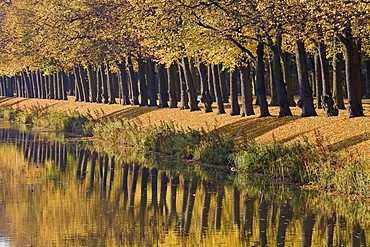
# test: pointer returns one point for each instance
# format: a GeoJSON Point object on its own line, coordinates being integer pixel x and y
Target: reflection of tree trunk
{"type": "Point", "coordinates": [172, 209]}
{"type": "Point", "coordinates": [86, 157]}
{"type": "Point", "coordinates": [144, 198]}
{"type": "Point", "coordinates": [154, 178]}
{"type": "Point", "coordinates": [190, 206]}
{"type": "Point", "coordinates": [135, 169]}
{"type": "Point", "coordinates": [236, 206]}
{"type": "Point", "coordinates": [206, 207]}
{"type": "Point", "coordinates": [94, 157]}
{"type": "Point", "coordinates": [218, 210]}
{"type": "Point", "coordinates": [248, 215]}
{"type": "Point", "coordinates": [79, 163]}
{"type": "Point", "coordinates": [356, 235]}
{"type": "Point", "coordinates": [234, 102]}
{"type": "Point", "coordinates": [329, 225]}
{"type": "Point", "coordinates": [163, 193]}
{"type": "Point", "coordinates": [111, 172]}
{"type": "Point", "coordinates": [307, 228]}
{"type": "Point", "coordinates": [263, 222]}
{"type": "Point", "coordinates": [124, 182]}
{"type": "Point", "coordinates": [285, 217]}
{"type": "Point", "coordinates": [103, 162]}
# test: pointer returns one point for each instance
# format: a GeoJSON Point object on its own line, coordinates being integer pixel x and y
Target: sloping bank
{"type": "Point", "coordinates": [309, 159]}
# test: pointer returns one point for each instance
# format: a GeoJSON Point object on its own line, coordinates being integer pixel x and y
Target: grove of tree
{"type": "Point", "coordinates": [182, 53]}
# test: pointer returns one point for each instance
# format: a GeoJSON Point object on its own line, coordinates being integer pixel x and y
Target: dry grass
{"type": "Point", "coordinates": [351, 136]}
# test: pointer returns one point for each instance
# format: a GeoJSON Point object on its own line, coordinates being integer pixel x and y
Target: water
{"type": "Point", "coordinates": [57, 191]}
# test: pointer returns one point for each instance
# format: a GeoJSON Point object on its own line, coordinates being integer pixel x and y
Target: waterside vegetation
{"type": "Point", "coordinates": [306, 161]}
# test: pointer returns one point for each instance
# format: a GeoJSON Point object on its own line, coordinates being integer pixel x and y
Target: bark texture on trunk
{"type": "Point", "coordinates": [260, 82]}
{"type": "Point", "coordinates": [234, 103]}
{"type": "Point", "coordinates": [246, 90]}
{"type": "Point", "coordinates": [279, 80]}
{"type": "Point", "coordinates": [353, 72]}
{"type": "Point", "coordinates": [306, 95]}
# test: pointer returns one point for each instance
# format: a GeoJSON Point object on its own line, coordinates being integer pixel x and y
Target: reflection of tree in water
{"type": "Point", "coordinates": [138, 205]}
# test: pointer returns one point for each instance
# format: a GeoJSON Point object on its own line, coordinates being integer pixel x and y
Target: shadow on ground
{"type": "Point", "coordinates": [131, 112]}
{"type": "Point", "coordinates": [254, 127]}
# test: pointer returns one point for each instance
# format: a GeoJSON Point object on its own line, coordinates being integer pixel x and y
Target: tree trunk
{"type": "Point", "coordinates": [260, 82]}
{"type": "Point", "coordinates": [367, 96]}
{"type": "Point", "coordinates": [62, 91]}
{"type": "Point", "coordinates": [327, 102]}
{"type": "Point", "coordinates": [206, 98]}
{"type": "Point", "coordinates": [353, 73]}
{"type": "Point", "coordinates": [306, 99]}
{"type": "Point", "coordinates": [246, 90]}
{"type": "Point", "coordinates": [273, 94]}
{"type": "Point", "coordinates": [318, 81]}
{"type": "Point", "coordinates": [210, 82]}
{"type": "Point", "coordinates": [110, 85]}
{"type": "Point", "coordinates": [152, 84]}
{"type": "Point", "coordinates": [224, 83]}
{"type": "Point", "coordinates": [104, 84]}
{"type": "Point", "coordinates": [85, 87]}
{"type": "Point", "coordinates": [143, 83]}
{"type": "Point", "coordinates": [338, 81]}
{"type": "Point", "coordinates": [79, 92]}
{"type": "Point", "coordinates": [134, 92]}
{"type": "Point", "coordinates": [124, 84]}
{"type": "Point", "coordinates": [51, 87]}
{"type": "Point", "coordinates": [217, 88]}
{"type": "Point", "coordinates": [173, 85]}
{"type": "Point", "coordinates": [280, 84]}
{"type": "Point", "coordinates": [163, 95]}
{"type": "Point", "coordinates": [234, 103]}
{"type": "Point", "coordinates": [192, 94]}
{"type": "Point", "coordinates": [92, 83]}
{"type": "Point", "coordinates": [183, 95]}
{"type": "Point", "coordinates": [287, 60]}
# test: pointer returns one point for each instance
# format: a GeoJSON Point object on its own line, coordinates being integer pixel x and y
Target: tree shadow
{"type": "Point", "coordinates": [131, 112]}
{"type": "Point", "coordinates": [352, 141]}
{"type": "Point", "coordinates": [254, 127]}
{"type": "Point", "coordinates": [5, 99]}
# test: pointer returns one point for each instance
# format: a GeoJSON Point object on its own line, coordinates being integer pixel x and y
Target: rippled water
{"type": "Point", "coordinates": [57, 191]}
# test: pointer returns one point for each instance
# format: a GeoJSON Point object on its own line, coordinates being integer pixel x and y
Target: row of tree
{"type": "Point", "coordinates": [175, 48]}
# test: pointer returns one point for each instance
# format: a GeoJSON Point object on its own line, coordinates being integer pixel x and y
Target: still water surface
{"type": "Point", "coordinates": [57, 191]}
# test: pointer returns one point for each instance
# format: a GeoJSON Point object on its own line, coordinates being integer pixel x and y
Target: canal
{"type": "Point", "coordinates": [58, 190]}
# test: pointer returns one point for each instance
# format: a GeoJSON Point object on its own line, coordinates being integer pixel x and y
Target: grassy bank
{"type": "Point", "coordinates": [331, 153]}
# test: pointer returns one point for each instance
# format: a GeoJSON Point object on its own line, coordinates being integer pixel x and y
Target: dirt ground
{"type": "Point", "coordinates": [350, 136]}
